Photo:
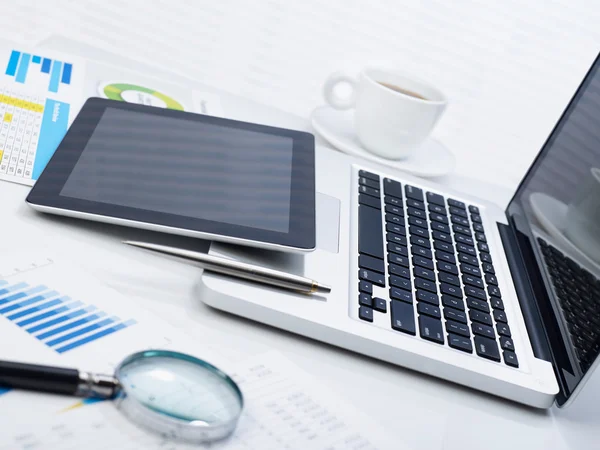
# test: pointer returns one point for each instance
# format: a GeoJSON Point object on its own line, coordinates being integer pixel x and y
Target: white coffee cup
{"type": "Point", "coordinates": [583, 216]}
{"type": "Point", "coordinates": [389, 122]}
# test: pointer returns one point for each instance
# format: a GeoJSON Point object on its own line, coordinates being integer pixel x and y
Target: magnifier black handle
{"type": "Point", "coordinates": [56, 380]}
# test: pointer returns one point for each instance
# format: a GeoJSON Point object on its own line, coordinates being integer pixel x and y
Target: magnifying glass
{"type": "Point", "coordinates": [170, 393]}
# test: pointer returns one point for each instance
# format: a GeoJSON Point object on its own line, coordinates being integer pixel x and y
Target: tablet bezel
{"type": "Point", "coordinates": [301, 236]}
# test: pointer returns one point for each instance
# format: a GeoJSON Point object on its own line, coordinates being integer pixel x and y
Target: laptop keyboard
{"type": "Point", "coordinates": [440, 278]}
{"type": "Point", "coordinates": [578, 292]}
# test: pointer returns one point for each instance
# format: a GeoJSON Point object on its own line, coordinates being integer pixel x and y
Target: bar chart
{"type": "Point", "coordinates": [20, 63]}
{"type": "Point", "coordinates": [56, 320]}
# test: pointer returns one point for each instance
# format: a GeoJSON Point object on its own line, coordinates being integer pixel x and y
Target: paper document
{"type": "Point", "coordinates": [284, 409]}
{"type": "Point", "coordinates": [40, 94]}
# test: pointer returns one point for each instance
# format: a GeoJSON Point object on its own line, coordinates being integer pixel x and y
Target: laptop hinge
{"type": "Point", "coordinates": [525, 294]}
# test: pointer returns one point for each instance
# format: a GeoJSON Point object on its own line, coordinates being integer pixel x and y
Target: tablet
{"type": "Point", "coordinates": [184, 173]}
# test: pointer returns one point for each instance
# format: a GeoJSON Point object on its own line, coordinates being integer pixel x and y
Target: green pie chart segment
{"type": "Point", "coordinates": [115, 91]}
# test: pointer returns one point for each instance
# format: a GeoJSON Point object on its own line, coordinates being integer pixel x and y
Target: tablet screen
{"type": "Point", "coordinates": [186, 168]}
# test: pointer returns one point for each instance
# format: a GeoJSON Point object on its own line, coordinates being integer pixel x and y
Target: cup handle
{"type": "Point", "coordinates": [336, 101]}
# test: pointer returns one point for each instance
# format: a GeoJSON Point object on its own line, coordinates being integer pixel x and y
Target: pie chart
{"type": "Point", "coordinates": [133, 93]}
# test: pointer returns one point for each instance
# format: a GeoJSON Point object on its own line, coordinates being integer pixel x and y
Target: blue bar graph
{"type": "Point", "coordinates": [11, 68]}
{"type": "Point", "coordinates": [55, 76]}
{"type": "Point", "coordinates": [36, 59]}
{"type": "Point", "coordinates": [23, 66]}
{"type": "Point", "coordinates": [56, 321]}
{"type": "Point", "coordinates": [46, 63]}
{"type": "Point", "coordinates": [66, 74]}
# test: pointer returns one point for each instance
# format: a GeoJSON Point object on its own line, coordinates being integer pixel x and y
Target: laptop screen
{"type": "Point", "coordinates": [556, 214]}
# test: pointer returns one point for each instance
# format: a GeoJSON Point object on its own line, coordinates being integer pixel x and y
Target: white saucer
{"type": "Point", "coordinates": [432, 159]}
{"type": "Point", "coordinates": [552, 214]}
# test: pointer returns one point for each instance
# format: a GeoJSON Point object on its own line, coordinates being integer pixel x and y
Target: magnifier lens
{"type": "Point", "coordinates": [181, 389]}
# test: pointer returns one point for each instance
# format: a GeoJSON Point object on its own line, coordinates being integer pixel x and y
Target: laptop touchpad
{"type": "Point", "coordinates": [328, 222]}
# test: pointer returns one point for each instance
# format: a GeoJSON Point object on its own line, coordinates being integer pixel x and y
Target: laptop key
{"type": "Point", "coordinates": [413, 192]}
{"type": "Point", "coordinates": [365, 299]}
{"type": "Point", "coordinates": [446, 257]}
{"type": "Point", "coordinates": [507, 343]}
{"type": "Point", "coordinates": [392, 187]}
{"type": "Point", "coordinates": [475, 218]}
{"type": "Point", "coordinates": [373, 277]}
{"type": "Point", "coordinates": [481, 317]}
{"type": "Point", "coordinates": [363, 181]}
{"type": "Point", "coordinates": [365, 313]}
{"type": "Point", "coordinates": [436, 199]}
{"type": "Point", "coordinates": [444, 277]}
{"type": "Point", "coordinates": [453, 302]}
{"type": "Point", "coordinates": [497, 303]}
{"type": "Point", "coordinates": [369, 191]}
{"type": "Point", "coordinates": [415, 204]}
{"type": "Point", "coordinates": [467, 249]}
{"type": "Point", "coordinates": [433, 208]}
{"type": "Point", "coordinates": [448, 289]}
{"type": "Point", "coordinates": [470, 270]}
{"type": "Point", "coordinates": [401, 295]}
{"type": "Point", "coordinates": [460, 343]}
{"type": "Point", "coordinates": [485, 257]}
{"type": "Point", "coordinates": [399, 249]}
{"type": "Point", "coordinates": [373, 202]}
{"type": "Point", "coordinates": [463, 239]}
{"type": "Point", "coordinates": [370, 233]}
{"type": "Point", "coordinates": [447, 267]}
{"type": "Point", "coordinates": [458, 220]}
{"type": "Point", "coordinates": [424, 273]}
{"type": "Point", "coordinates": [431, 329]}
{"type": "Point", "coordinates": [487, 348]}
{"type": "Point", "coordinates": [438, 235]}
{"type": "Point", "coordinates": [428, 310]}
{"type": "Point", "coordinates": [428, 297]}
{"type": "Point", "coordinates": [483, 247]}
{"type": "Point", "coordinates": [412, 220]}
{"type": "Point", "coordinates": [441, 227]}
{"type": "Point", "coordinates": [491, 279]}
{"type": "Point", "coordinates": [459, 229]}
{"type": "Point", "coordinates": [468, 259]}
{"type": "Point", "coordinates": [418, 231]}
{"type": "Point", "coordinates": [426, 285]}
{"type": "Point", "coordinates": [400, 271]}
{"type": "Point", "coordinates": [392, 201]}
{"type": "Point", "coordinates": [478, 227]}
{"type": "Point", "coordinates": [416, 213]}
{"type": "Point", "coordinates": [510, 359]}
{"type": "Point", "coordinates": [488, 268]}
{"type": "Point", "coordinates": [500, 316]}
{"type": "Point", "coordinates": [475, 303]}
{"type": "Point", "coordinates": [395, 228]}
{"type": "Point", "coordinates": [420, 251]}
{"type": "Point", "coordinates": [372, 176]}
{"type": "Point", "coordinates": [366, 287]}
{"type": "Point", "coordinates": [457, 328]}
{"type": "Point", "coordinates": [403, 317]}
{"type": "Point", "coordinates": [418, 240]}
{"type": "Point", "coordinates": [379, 304]}
{"type": "Point", "coordinates": [494, 290]}
{"type": "Point", "coordinates": [396, 238]}
{"type": "Point", "coordinates": [397, 210]}
{"type": "Point", "coordinates": [473, 281]}
{"type": "Point", "coordinates": [392, 218]}
{"type": "Point", "coordinates": [400, 282]}
{"type": "Point", "coordinates": [503, 329]}
{"type": "Point", "coordinates": [458, 212]}
{"type": "Point", "coordinates": [422, 262]}
{"type": "Point", "coordinates": [473, 209]}
{"type": "Point", "coordinates": [403, 261]}
{"type": "Point", "coordinates": [456, 203]}
{"type": "Point", "coordinates": [442, 245]}
{"type": "Point", "coordinates": [455, 314]}
{"type": "Point", "coordinates": [480, 237]}
{"type": "Point", "coordinates": [368, 262]}
{"type": "Point", "coordinates": [483, 330]}
{"type": "Point", "coordinates": [471, 291]}
{"type": "Point", "coordinates": [435, 217]}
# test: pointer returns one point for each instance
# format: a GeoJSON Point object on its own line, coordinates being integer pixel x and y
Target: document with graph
{"type": "Point", "coordinates": [40, 95]}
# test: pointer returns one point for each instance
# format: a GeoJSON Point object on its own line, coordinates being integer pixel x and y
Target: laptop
{"type": "Point", "coordinates": [449, 284]}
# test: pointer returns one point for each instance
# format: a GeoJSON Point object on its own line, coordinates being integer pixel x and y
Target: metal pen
{"type": "Point", "coordinates": [239, 269]}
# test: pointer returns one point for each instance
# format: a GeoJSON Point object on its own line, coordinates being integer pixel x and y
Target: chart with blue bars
{"type": "Point", "coordinates": [56, 320]}
{"type": "Point", "coordinates": [19, 64]}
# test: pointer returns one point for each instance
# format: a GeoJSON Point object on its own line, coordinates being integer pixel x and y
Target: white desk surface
{"type": "Point", "coordinates": [420, 411]}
